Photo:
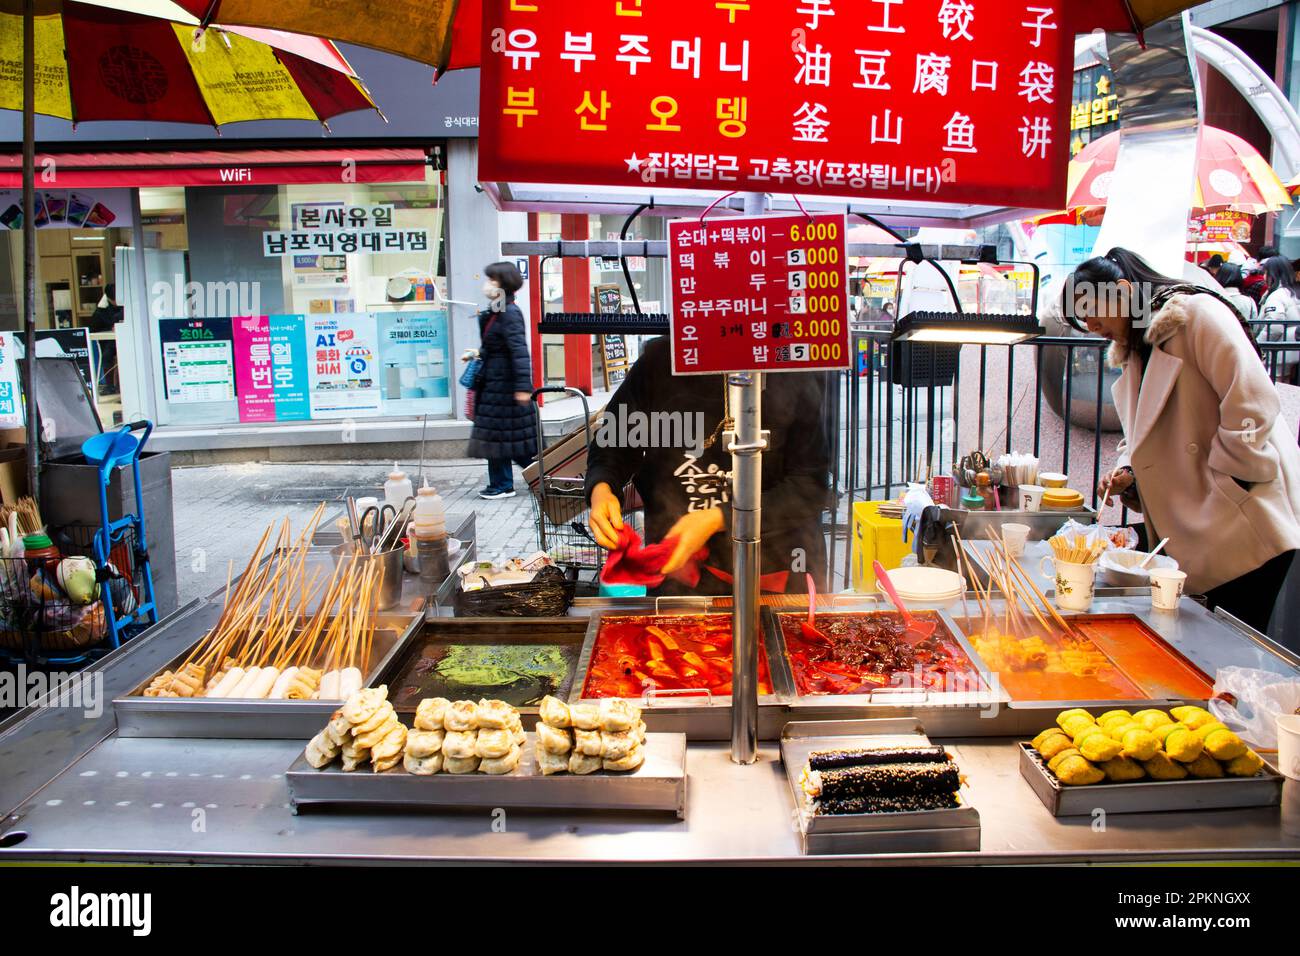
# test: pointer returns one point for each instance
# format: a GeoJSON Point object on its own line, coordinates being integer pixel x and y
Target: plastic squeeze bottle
{"type": "Point", "coordinates": [397, 488]}
{"type": "Point", "coordinates": [429, 529]}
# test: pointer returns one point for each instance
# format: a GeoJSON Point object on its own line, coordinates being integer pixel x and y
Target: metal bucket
{"type": "Point", "coordinates": [390, 589]}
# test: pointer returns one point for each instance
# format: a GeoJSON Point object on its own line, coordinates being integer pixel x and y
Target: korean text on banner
{"type": "Point", "coordinates": [766, 294]}
{"type": "Point", "coordinates": [959, 101]}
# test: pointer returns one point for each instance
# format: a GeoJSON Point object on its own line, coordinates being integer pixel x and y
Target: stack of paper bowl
{"type": "Point", "coordinates": [925, 588]}
{"type": "Point", "coordinates": [1120, 568]}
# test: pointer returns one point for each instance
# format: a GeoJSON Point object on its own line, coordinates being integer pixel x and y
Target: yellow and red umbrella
{"type": "Point", "coordinates": [1230, 174]}
{"type": "Point", "coordinates": [99, 63]}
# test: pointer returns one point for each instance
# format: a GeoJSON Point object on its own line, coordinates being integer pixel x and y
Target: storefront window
{"type": "Point", "coordinates": [299, 302]}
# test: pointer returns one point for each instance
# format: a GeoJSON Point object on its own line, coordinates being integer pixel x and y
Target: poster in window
{"type": "Point", "coordinates": [413, 353]}
{"type": "Point", "coordinates": [11, 408]}
{"type": "Point", "coordinates": [271, 368]}
{"type": "Point", "coordinates": [198, 360]}
{"type": "Point", "coordinates": [343, 365]}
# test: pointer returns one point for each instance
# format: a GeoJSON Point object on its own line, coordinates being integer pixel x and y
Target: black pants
{"type": "Point", "coordinates": [501, 476]}
{"type": "Point", "coordinates": [1250, 598]}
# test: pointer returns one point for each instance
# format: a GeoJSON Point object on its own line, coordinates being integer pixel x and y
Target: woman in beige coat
{"type": "Point", "coordinates": [1206, 455]}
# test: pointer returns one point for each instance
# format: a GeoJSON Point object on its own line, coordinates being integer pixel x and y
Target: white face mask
{"type": "Point", "coordinates": [492, 291]}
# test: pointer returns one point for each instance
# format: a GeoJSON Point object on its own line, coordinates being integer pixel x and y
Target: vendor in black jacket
{"type": "Point", "coordinates": [687, 491]}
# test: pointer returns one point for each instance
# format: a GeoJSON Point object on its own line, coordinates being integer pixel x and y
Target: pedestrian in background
{"type": "Point", "coordinates": [504, 432]}
{"type": "Point", "coordinates": [1282, 304]}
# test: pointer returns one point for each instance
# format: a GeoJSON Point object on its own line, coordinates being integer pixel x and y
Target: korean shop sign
{"type": "Point", "coordinates": [336, 228]}
{"type": "Point", "coordinates": [964, 101]}
{"type": "Point", "coordinates": [767, 294]}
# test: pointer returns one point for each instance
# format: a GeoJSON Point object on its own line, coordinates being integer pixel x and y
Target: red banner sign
{"type": "Point", "coordinates": [960, 101]}
{"type": "Point", "coordinates": [764, 294]}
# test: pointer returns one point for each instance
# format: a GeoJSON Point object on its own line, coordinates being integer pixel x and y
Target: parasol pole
{"type": "Point", "coordinates": [746, 444]}
{"type": "Point", "coordinates": [29, 243]}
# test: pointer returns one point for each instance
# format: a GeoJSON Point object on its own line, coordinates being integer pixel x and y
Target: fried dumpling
{"type": "Point", "coordinates": [422, 766]}
{"type": "Point", "coordinates": [617, 716]}
{"type": "Point", "coordinates": [494, 744]}
{"type": "Point", "coordinates": [460, 744]}
{"type": "Point", "coordinates": [553, 740]}
{"type": "Point", "coordinates": [1075, 771]}
{"type": "Point", "coordinates": [353, 763]}
{"type": "Point", "coordinates": [631, 761]}
{"type": "Point", "coordinates": [549, 763]}
{"type": "Point", "coordinates": [554, 712]}
{"type": "Point", "coordinates": [585, 716]}
{"type": "Point", "coordinates": [391, 747]}
{"type": "Point", "coordinates": [373, 738]}
{"type": "Point", "coordinates": [354, 751]}
{"type": "Point", "coordinates": [1192, 716]}
{"type": "Point", "coordinates": [387, 763]}
{"type": "Point", "coordinates": [588, 742]}
{"type": "Point", "coordinates": [380, 717]}
{"type": "Point", "coordinates": [321, 751]}
{"type": "Point", "coordinates": [501, 765]}
{"type": "Point", "coordinates": [1246, 765]}
{"type": "Point", "coordinates": [338, 729]}
{"type": "Point", "coordinates": [618, 746]}
{"type": "Point", "coordinates": [1122, 770]}
{"type": "Point", "coordinates": [1204, 767]}
{"type": "Point", "coordinates": [640, 730]}
{"type": "Point", "coordinates": [362, 705]}
{"type": "Point", "coordinates": [516, 728]}
{"type": "Point", "coordinates": [493, 714]}
{"type": "Point", "coordinates": [581, 764]}
{"type": "Point", "coordinates": [429, 714]}
{"type": "Point", "coordinates": [461, 716]}
{"type": "Point", "coordinates": [424, 743]}
{"type": "Point", "coordinates": [459, 765]}
{"type": "Point", "coordinates": [1160, 767]}
{"type": "Point", "coordinates": [1151, 719]}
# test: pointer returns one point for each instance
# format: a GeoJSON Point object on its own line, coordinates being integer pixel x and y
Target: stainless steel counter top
{"type": "Point", "coordinates": [227, 801]}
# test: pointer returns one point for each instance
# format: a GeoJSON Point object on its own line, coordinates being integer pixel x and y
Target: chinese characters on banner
{"type": "Point", "coordinates": [960, 101]}
{"type": "Point", "coordinates": [766, 294]}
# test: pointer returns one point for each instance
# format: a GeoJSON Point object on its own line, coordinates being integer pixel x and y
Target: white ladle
{"type": "Point", "coordinates": [1157, 550]}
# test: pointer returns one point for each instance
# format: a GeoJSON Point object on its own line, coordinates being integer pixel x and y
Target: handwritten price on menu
{"type": "Point", "coordinates": [764, 294]}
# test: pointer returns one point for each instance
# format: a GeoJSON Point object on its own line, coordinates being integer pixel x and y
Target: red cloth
{"type": "Point", "coordinates": [632, 563]}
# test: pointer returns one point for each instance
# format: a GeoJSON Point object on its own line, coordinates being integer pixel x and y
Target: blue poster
{"type": "Point", "coordinates": [289, 367]}
{"type": "Point", "coordinates": [414, 375]}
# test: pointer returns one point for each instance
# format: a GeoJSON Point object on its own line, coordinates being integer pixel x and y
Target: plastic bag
{"type": "Point", "coordinates": [1249, 701]}
{"type": "Point", "coordinates": [1115, 538]}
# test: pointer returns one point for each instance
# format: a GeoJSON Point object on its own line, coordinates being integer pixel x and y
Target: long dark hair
{"type": "Point", "coordinates": [1280, 274]}
{"type": "Point", "coordinates": [1098, 280]}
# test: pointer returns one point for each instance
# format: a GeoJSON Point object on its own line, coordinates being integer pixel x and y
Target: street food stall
{"type": "Point", "coordinates": [996, 727]}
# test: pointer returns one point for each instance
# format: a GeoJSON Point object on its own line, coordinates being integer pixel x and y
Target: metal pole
{"type": "Point", "coordinates": [29, 244]}
{"type": "Point", "coordinates": [746, 444]}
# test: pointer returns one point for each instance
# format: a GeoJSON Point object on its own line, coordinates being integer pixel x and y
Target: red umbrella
{"type": "Point", "coordinates": [1230, 174]}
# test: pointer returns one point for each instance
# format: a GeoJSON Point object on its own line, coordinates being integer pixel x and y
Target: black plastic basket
{"type": "Point", "coordinates": [549, 594]}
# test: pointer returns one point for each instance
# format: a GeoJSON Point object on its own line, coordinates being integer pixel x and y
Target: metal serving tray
{"type": "Point", "coordinates": [697, 714]}
{"type": "Point", "coordinates": [1148, 796]}
{"type": "Point", "coordinates": [140, 716]}
{"type": "Point", "coordinates": [569, 634]}
{"type": "Point", "coordinates": [658, 785]}
{"type": "Point", "coordinates": [914, 832]}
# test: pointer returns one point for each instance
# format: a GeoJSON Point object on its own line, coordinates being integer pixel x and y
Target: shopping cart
{"type": "Point", "coordinates": [559, 495]}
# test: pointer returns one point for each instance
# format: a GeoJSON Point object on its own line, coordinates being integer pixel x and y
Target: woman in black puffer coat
{"type": "Point", "coordinates": [504, 432]}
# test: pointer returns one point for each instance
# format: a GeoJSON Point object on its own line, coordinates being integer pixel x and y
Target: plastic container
{"type": "Point", "coordinates": [397, 488]}
{"type": "Point", "coordinates": [972, 502]}
{"type": "Point", "coordinates": [39, 547]}
{"type": "Point", "coordinates": [1052, 479]}
{"type": "Point", "coordinates": [430, 516]}
{"type": "Point", "coordinates": [1062, 499]}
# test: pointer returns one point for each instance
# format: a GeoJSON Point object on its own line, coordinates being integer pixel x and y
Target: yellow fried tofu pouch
{"type": "Point", "coordinates": [1181, 743]}
{"type": "Point", "coordinates": [1151, 719]}
{"type": "Point", "coordinates": [1205, 767]}
{"type": "Point", "coordinates": [1072, 721]}
{"type": "Point", "coordinates": [1095, 745]}
{"type": "Point", "coordinates": [1221, 743]}
{"type": "Point", "coordinates": [1160, 767]}
{"type": "Point", "coordinates": [1074, 771]}
{"type": "Point", "coordinates": [1247, 765]}
{"type": "Point", "coordinates": [1037, 742]}
{"type": "Point", "coordinates": [1113, 715]}
{"type": "Point", "coordinates": [1139, 743]}
{"type": "Point", "coordinates": [1062, 756]}
{"type": "Point", "coordinates": [1052, 744]}
{"type": "Point", "coordinates": [1193, 717]}
{"type": "Point", "coordinates": [1122, 770]}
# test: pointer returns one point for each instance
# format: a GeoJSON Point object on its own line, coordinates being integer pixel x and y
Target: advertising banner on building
{"type": "Point", "coordinates": [342, 356]}
{"type": "Point", "coordinates": [413, 360]}
{"type": "Point", "coordinates": [943, 100]}
{"type": "Point", "coordinates": [11, 406]}
{"type": "Point", "coordinates": [271, 368]}
{"type": "Point", "coordinates": [198, 360]}
{"type": "Point", "coordinates": [767, 294]}
{"type": "Point", "coordinates": [69, 208]}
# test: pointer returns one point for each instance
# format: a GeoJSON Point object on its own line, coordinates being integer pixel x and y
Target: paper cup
{"type": "Point", "coordinates": [1167, 588]}
{"type": "Point", "coordinates": [1014, 537]}
{"type": "Point", "coordinates": [1288, 745]}
{"type": "Point", "coordinates": [1074, 583]}
{"type": "Point", "coordinates": [1031, 497]}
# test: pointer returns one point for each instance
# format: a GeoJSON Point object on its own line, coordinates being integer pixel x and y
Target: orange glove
{"type": "Point", "coordinates": [606, 516]}
{"type": "Point", "coordinates": [692, 532]}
